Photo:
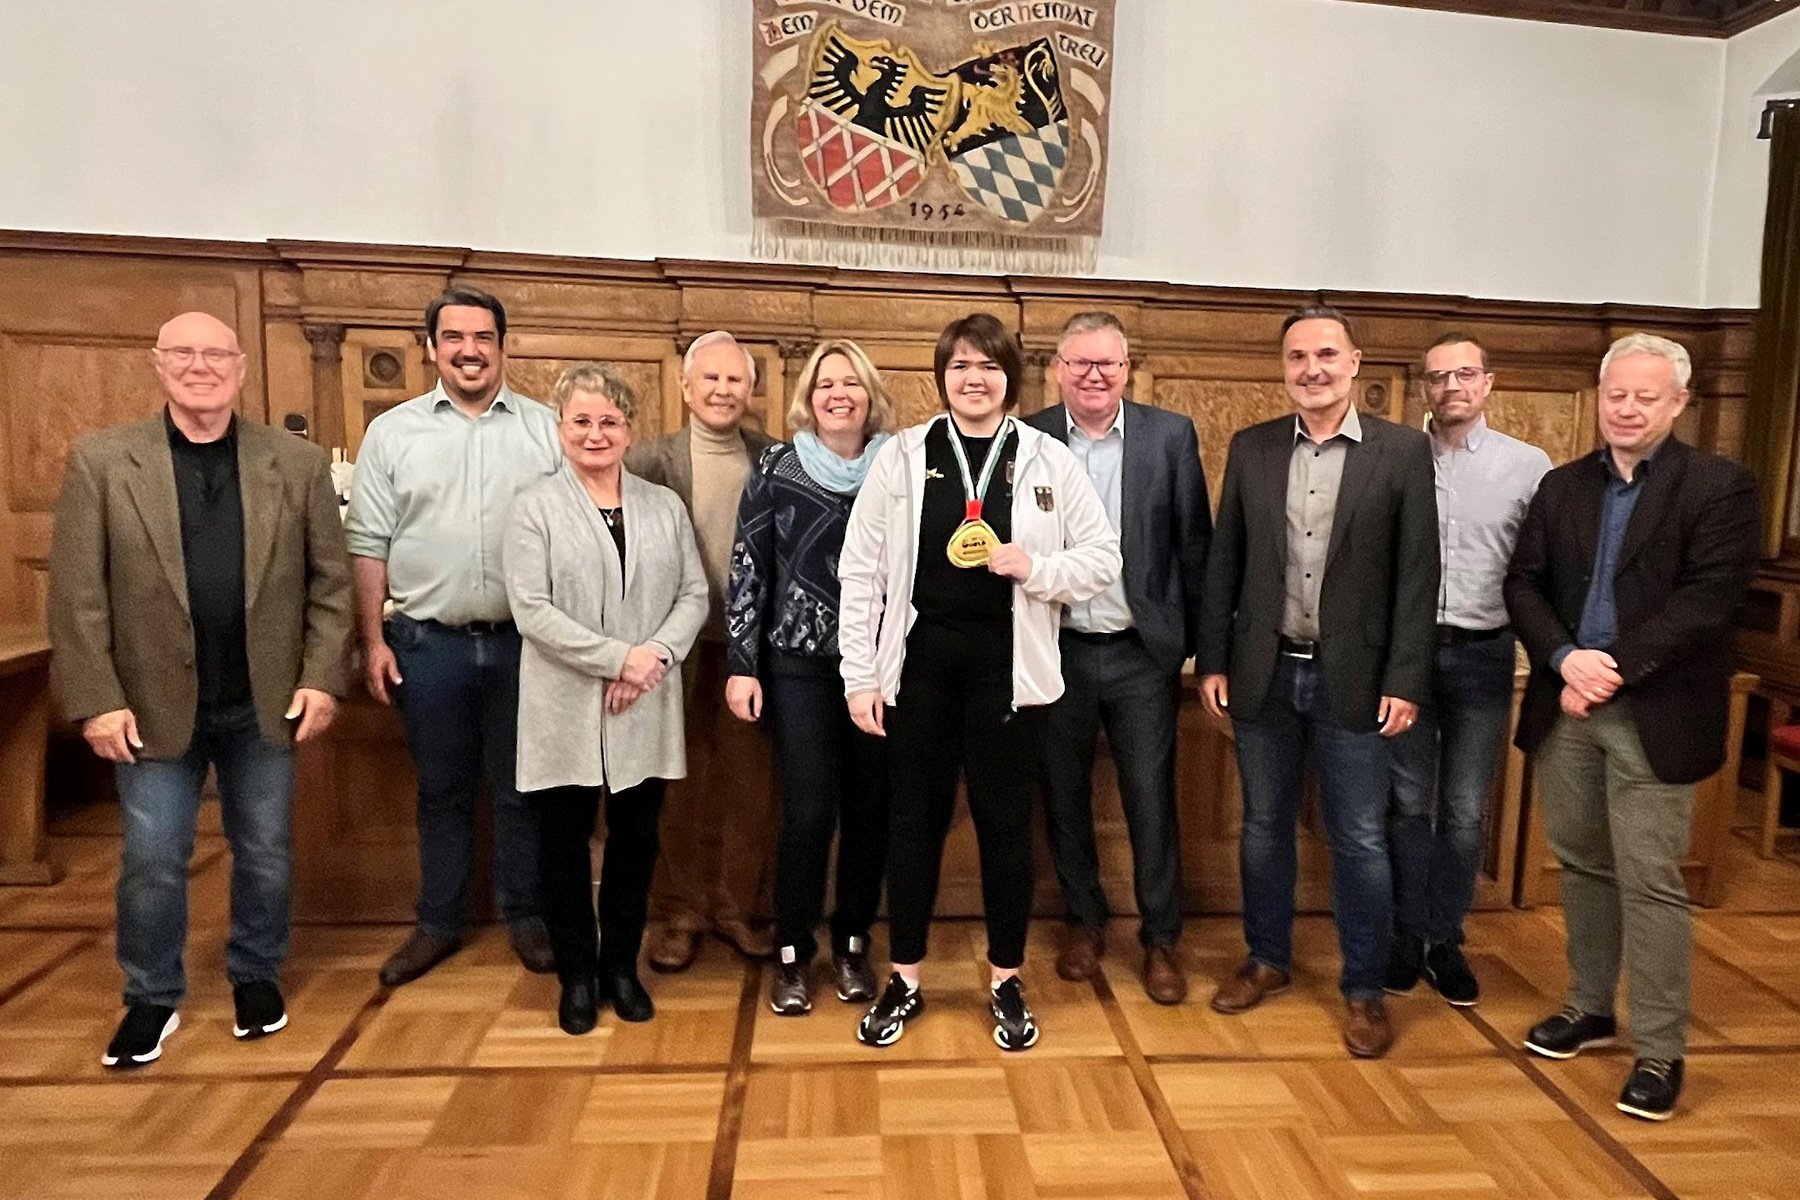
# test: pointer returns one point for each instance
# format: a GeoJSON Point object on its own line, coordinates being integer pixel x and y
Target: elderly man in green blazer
{"type": "Point", "coordinates": [199, 608]}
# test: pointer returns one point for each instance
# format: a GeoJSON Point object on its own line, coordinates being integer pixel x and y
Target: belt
{"type": "Point", "coordinates": [1454, 635]}
{"type": "Point", "coordinates": [1294, 648]}
{"type": "Point", "coordinates": [1100, 639]}
{"type": "Point", "coordinates": [477, 628]}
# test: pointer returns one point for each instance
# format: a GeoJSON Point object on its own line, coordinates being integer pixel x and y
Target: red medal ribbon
{"type": "Point", "coordinates": [972, 510]}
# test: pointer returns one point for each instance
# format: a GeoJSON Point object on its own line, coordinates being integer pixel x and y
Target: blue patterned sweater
{"type": "Point", "coordinates": [781, 606]}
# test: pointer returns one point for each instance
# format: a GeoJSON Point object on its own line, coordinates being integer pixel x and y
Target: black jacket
{"type": "Point", "coordinates": [1167, 525]}
{"type": "Point", "coordinates": [1687, 558]}
{"type": "Point", "coordinates": [1378, 602]}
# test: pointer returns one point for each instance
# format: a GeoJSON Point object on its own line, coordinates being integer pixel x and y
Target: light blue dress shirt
{"type": "Point", "coordinates": [1103, 459]}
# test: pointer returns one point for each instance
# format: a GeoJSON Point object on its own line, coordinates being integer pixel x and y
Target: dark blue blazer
{"type": "Point", "coordinates": [1167, 525]}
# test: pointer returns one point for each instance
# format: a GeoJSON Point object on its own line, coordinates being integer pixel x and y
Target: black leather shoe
{"type": "Point", "coordinates": [1570, 1032]}
{"type": "Point", "coordinates": [1653, 1088]}
{"type": "Point", "coordinates": [579, 1010]}
{"type": "Point", "coordinates": [1406, 962]}
{"type": "Point", "coordinates": [629, 999]}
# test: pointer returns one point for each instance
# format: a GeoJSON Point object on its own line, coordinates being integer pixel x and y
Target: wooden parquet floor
{"type": "Point", "coordinates": [460, 1087]}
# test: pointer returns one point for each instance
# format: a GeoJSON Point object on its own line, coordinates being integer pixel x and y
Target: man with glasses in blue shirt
{"type": "Point", "coordinates": [1443, 766]}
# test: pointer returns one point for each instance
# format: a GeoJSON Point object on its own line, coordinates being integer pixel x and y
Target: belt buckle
{"type": "Point", "coordinates": [1311, 652]}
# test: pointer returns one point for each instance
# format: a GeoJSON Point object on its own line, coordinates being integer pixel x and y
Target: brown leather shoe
{"type": "Point", "coordinates": [531, 942]}
{"type": "Point", "coordinates": [1367, 1033]}
{"type": "Point", "coordinates": [755, 942]}
{"type": "Point", "coordinates": [1164, 980]}
{"type": "Point", "coordinates": [1080, 958]}
{"type": "Point", "coordinates": [674, 949]}
{"type": "Point", "coordinates": [1253, 983]}
{"type": "Point", "coordinates": [420, 952]}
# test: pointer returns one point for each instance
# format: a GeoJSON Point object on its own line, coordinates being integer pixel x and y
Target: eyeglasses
{"type": "Point", "coordinates": [1463, 375]}
{"type": "Point", "coordinates": [610, 424]}
{"type": "Point", "coordinates": [1109, 368]}
{"type": "Point", "coordinates": [213, 356]}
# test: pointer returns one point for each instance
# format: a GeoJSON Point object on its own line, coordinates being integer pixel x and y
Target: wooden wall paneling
{"type": "Point", "coordinates": [535, 360]}
{"type": "Point", "coordinates": [290, 384]}
{"type": "Point", "coordinates": [376, 370]}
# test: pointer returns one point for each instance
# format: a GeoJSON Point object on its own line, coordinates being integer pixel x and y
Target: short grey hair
{"type": "Point", "coordinates": [593, 377]}
{"type": "Point", "coordinates": [1090, 322]}
{"type": "Point", "coordinates": [715, 338]}
{"type": "Point", "coordinates": [1661, 347]}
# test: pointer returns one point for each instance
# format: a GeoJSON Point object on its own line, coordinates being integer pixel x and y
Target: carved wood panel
{"type": "Point", "coordinates": [535, 377]}
{"type": "Point", "coordinates": [1561, 423]}
{"type": "Point", "coordinates": [1219, 408]}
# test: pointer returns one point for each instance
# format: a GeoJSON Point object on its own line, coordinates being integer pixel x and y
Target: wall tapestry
{"type": "Point", "coordinates": [936, 134]}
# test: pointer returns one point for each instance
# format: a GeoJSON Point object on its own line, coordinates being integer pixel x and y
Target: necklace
{"type": "Point", "coordinates": [612, 515]}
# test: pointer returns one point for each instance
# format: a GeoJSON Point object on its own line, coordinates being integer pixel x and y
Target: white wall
{"type": "Point", "coordinates": [1754, 70]}
{"type": "Point", "coordinates": [1280, 143]}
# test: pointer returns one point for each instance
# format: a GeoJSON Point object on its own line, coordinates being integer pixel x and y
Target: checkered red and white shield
{"type": "Point", "coordinates": [858, 169]}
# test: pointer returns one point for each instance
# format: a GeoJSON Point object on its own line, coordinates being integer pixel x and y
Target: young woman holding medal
{"type": "Point", "coordinates": [781, 629]}
{"type": "Point", "coordinates": [969, 535]}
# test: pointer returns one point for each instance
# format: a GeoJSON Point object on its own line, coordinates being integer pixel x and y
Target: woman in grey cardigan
{"type": "Point", "coordinates": [607, 589]}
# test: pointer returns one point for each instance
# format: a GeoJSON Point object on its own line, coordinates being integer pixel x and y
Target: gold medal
{"type": "Point", "coordinates": [974, 539]}
{"type": "Point", "coordinates": [971, 544]}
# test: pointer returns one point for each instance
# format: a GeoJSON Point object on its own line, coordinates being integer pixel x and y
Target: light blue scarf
{"type": "Point", "coordinates": [841, 475]}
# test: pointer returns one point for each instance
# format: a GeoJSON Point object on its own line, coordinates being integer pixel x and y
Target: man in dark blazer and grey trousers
{"type": "Point", "coordinates": [1318, 633]}
{"type": "Point", "coordinates": [1122, 651]}
{"type": "Point", "coordinates": [1624, 587]}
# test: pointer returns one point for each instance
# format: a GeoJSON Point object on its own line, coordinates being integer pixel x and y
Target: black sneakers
{"type": "Point", "coordinates": [886, 1021]}
{"type": "Point", "coordinates": [789, 995]}
{"type": "Point", "coordinates": [1406, 960]}
{"type": "Point", "coordinates": [1014, 1028]}
{"type": "Point", "coordinates": [1448, 971]}
{"type": "Point", "coordinates": [260, 1010]}
{"type": "Point", "coordinates": [140, 1036]}
{"type": "Point", "coordinates": [855, 977]}
{"type": "Point", "coordinates": [1570, 1032]}
{"type": "Point", "coordinates": [1653, 1088]}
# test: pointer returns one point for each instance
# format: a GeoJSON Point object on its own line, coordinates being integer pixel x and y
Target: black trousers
{"type": "Point", "coordinates": [1115, 685]}
{"type": "Point", "coordinates": [568, 815]}
{"type": "Point", "coordinates": [833, 780]}
{"type": "Point", "coordinates": [954, 714]}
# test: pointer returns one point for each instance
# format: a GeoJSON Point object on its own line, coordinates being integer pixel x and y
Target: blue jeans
{"type": "Point", "coordinates": [1443, 768]}
{"type": "Point", "coordinates": [161, 800]}
{"type": "Point", "coordinates": [460, 701]}
{"type": "Point", "coordinates": [1272, 749]}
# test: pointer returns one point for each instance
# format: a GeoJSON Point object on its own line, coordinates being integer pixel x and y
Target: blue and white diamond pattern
{"type": "Point", "coordinates": [1016, 176]}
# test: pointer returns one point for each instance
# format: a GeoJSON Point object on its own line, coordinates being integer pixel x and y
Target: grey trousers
{"type": "Point", "coordinates": [1620, 834]}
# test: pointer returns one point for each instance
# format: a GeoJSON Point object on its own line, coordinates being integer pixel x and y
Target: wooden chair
{"type": "Point", "coordinates": [1783, 755]}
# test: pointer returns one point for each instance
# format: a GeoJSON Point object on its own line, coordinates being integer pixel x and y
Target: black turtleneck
{"type": "Point", "coordinates": [212, 548]}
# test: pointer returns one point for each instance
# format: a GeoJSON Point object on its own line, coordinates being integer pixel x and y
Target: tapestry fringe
{"type": "Point", "coordinates": [966, 252]}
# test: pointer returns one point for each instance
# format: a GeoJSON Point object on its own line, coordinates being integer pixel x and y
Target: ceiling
{"type": "Point", "coordinates": [1703, 18]}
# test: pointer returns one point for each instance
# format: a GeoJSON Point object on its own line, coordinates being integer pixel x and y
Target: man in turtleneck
{"type": "Point", "coordinates": [718, 823]}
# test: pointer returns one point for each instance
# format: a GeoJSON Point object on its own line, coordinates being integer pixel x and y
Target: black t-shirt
{"type": "Point", "coordinates": [212, 549]}
{"type": "Point", "coordinates": [943, 593]}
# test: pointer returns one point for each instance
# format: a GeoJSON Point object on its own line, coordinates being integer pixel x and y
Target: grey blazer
{"type": "Point", "coordinates": [580, 612]}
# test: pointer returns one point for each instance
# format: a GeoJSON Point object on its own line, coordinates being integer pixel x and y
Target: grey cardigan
{"type": "Point", "coordinates": [579, 614]}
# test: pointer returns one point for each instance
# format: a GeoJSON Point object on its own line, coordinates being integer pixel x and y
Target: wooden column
{"type": "Point", "coordinates": [327, 342]}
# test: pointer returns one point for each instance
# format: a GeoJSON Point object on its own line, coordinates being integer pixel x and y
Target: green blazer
{"type": "Point", "coordinates": [120, 632]}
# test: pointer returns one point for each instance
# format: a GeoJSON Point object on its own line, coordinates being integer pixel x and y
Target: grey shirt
{"type": "Point", "coordinates": [1314, 472]}
{"type": "Point", "coordinates": [1103, 461]}
{"type": "Point", "coordinates": [1483, 489]}
{"type": "Point", "coordinates": [432, 490]}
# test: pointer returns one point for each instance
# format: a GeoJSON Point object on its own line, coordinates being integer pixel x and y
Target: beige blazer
{"type": "Point", "coordinates": [120, 632]}
{"type": "Point", "coordinates": [579, 611]}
